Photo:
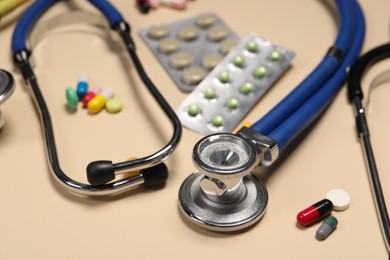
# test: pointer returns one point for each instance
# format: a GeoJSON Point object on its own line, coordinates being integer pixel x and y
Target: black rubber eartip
{"type": "Point", "coordinates": [100, 172]}
{"type": "Point", "coordinates": [156, 175]}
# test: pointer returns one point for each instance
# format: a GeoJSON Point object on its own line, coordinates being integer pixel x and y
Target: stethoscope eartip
{"type": "Point", "coordinates": [155, 176]}
{"type": "Point", "coordinates": [100, 172]}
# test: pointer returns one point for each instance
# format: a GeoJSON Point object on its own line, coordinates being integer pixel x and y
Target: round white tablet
{"type": "Point", "coordinates": [340, 199]}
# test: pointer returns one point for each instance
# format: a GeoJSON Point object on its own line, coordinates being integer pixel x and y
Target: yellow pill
{"type": "Point", "coordinates": [98, 102]}
{"type": "Point", "coordinates": [131, 173]}
{"type": "Point", "coordinates": [114, 105]}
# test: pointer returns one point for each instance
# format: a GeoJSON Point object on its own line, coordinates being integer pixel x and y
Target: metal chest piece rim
{"type": "Point", "coordinates": [223, 195]}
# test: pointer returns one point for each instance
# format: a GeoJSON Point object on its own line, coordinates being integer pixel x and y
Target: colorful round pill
{"type": "Point", "coordinates": [114, 105]}
{"type": "Point", "coordinates": [99, 101]}
{"type": "Point", "coordinates": [217, 33]}
{"type": "Point", "coordinates": [169, 45]}
{"type": "Point", "coordinates": [181, 60]}
{"type": "Point", "coordinates": [210, 61]}
{"type": "Point", "coordinates": [314, 212]}
{"type": "Point", "coordinates": [193, 110]}
{"type": "Point", "coordinates": [90, 95]}
{"type": "Point", "coordinates": [326, 228]}
{"type": "Point", "coordinates": [340, 199]}
{"type": "Point", "coordinates": [217, 121]}
{"type": "Point", "coordinates": [224, 77]}
{"type": "Point", "coordinates": [246, 88]}
{"type": "Point", "coordinates": [239, 61]}
{"type": "Point", "coordinates": [260, 72]}
{"type": "Point", "coordinates": [209, 93]}
{"type": "Point", "coordinates": [72, 98]}
{"type": "Point", "coordinates": [158, 31]}
{"type": "Point", "coordinates": [192, 76]}
{"type": "Point", "coordinates": [274, 56]}
{"type": "Point", "coordinates": [205, 20]}
{"type": "Point", "coordinates": [189, 33]}
{"type": "Point", "coordinates": [233, 103]}
{"type": "Point", "coordinates": [252, 46]}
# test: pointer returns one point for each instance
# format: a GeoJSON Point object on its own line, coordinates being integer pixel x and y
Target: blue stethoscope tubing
{"type": "Point", "coordinates": [37, 9]}
{"type": "Point", "coordinates": [298, 109]}
{"type": "Point", "coordinates": [153, 171]}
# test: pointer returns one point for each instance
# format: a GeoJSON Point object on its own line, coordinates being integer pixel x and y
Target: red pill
{"type": "Point", "coordinates": [90, 95]}
{"type": "Point", "coordinates": [314, 212]}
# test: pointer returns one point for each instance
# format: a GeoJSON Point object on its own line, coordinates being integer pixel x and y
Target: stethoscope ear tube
{"type": "Point", "coordinates": [357, 71]}
{"type": "Point", "coordinates": [355, 94]}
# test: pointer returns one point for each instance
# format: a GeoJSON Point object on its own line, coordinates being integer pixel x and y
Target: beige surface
{"type": "Point", "coordinates": [40, 220]}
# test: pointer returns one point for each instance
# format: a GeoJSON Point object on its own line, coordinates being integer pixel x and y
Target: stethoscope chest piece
{"type": "Point", "coordinates": [223, 195]}
{"type": "Point", "coordinates": [6, 90]}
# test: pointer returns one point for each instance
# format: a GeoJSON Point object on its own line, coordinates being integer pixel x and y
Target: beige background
{"type": "Point", "coordinates": [40, 220]}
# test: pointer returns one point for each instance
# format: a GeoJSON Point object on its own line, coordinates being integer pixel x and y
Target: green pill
{"type": "Point", "coordinates": [114, 105]}
{"type": "Point", "coordinates": [246, 88]}
{"type": "Point", "coordinates": [275, 56]}
{"type": "Point", "coordinates": [209, 93]}
{"type": "Point", "coordinates": [193, 110]}
{"type": "Point", "coordinates": [233, 103]}
{"type": "Point", "coordinates": [217, 121]}
{"type": "Point", "coordinates": [260, 72]}
{"type": "Point", "coordinates": [224, 77]}
{"type": "Point", "coordinates": [252, 46]}
{"type": "Point", "coordinates": [72, 98]}
{"type": "Point", "coordinates": [239, 61]}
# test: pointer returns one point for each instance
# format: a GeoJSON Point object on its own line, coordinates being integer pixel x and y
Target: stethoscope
{"type": "Point", "coordinates": [355, 94]}
{"type": "Point", "coordinates": [223, 194]}
{"type": "Point", "coordinates": [102, 175]}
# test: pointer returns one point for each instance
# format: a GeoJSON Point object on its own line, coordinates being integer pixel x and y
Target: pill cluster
{"type": "Point", "coordinates": [94, 100]}
{"type": "Point", "coordinates": [145, 5]}
{"type": "Point", "coordinates": [189, 49]}
{"type": "Point", "coordinates": [234, 86]}
{"type": "Point", "coordinates": [336, 199]}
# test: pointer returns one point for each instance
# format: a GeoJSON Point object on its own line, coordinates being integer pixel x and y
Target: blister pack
{"type": "Point", "coordinates": [233, 87]}
{"type": "Point", "coordinates": [189, 49]}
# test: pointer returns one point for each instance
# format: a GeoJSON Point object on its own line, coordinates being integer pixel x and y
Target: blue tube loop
{"type": "Point", "coordinates": [315, 79]}
{"type": "Point", "coordinates": [302, 117]}
{"type": "Point", "coordinates": [26, 22]}
{"type": "Point", "coordinates": [39, 7]}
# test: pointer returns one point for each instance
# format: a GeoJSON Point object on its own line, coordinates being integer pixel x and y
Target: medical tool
{"type": "Point", "coordinates": [223, 194]}
{"type": "Point", "coordinates": [355, 94]}
{"type": "Point", "coordinates": [152, 170]}
{"type": "Point", "coordinates": [6, 90]}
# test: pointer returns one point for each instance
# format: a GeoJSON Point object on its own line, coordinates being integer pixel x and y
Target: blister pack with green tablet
{"type": "Point", "coordinates": [234, 86]}
{"type": "Point", "coordinates": [189, 49]}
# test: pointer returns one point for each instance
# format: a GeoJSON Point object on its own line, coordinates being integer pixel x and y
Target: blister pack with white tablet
{"type": "Point", "coordinates": [234, 86]}
{"type": "Point", "coordinates": [189, 49]}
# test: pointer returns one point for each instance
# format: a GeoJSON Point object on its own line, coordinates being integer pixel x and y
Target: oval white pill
{"type": "Point", "coordinates": [340, 199]}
